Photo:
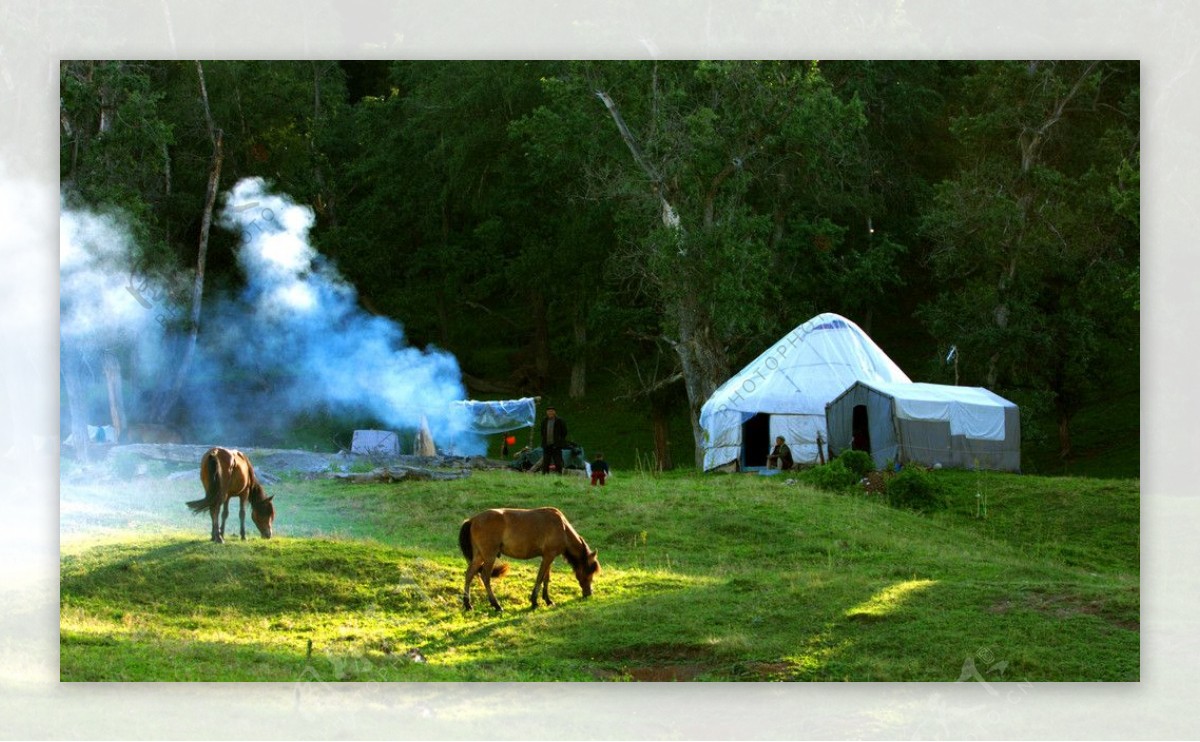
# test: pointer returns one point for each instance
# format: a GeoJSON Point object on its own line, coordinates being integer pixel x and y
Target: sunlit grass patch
{"type": "Point", "coordinates": [888, 600]}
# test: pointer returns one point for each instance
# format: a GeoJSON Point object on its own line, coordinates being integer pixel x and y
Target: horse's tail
{"type": "Point", "coordinates": [464, 543]}
{"type": "Point", "coordinates": [464, 540]}
{"type": "Point", "coordinates": [212, 490]}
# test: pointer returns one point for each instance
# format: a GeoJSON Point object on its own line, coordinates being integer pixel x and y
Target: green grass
{"type": "Point", "coordinates": [704, 578]}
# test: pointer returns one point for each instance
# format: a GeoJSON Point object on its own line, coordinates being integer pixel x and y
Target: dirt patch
{"type": "Point", "coordinates": [770, 670]}
{"type": "Point", "coordinates": [662, 653]}
{"type": "Point", "coordinates": [876, 482]}
{"type": "Point", "coordinates": [1065, 605]}
{"type": "Point", "coordinates": [658, 663]}
{"type": "Point", "coordinates": [1002, 606]}
{"type": "Point", "coordinates": [666, 673]}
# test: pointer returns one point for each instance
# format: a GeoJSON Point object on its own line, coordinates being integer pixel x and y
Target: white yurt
{"type": "Point", "coordinates": [784, 392]}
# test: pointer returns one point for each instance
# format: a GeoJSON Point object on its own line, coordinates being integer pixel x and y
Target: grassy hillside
{"type": "Point", "coordinates": [704, 578]}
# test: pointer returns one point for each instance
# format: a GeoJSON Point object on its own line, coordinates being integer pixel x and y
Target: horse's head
{"type": "Point", "coordinates": [262, 510]}
{"type": "Point", "coordinates": [585, 569]}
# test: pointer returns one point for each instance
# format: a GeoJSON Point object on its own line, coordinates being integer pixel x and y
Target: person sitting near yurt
{"type": "Point", "coordinates": [781, 456]}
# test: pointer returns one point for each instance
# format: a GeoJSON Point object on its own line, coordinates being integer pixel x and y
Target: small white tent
{"type": "Point", "coordinates": [784, 391]}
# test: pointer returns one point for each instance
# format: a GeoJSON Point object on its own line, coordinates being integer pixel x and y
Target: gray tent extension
{"type": "Point", "coordinates": [929, 424]}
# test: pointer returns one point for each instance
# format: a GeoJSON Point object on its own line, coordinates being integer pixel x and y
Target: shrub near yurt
{"type": "Point", "coordinates": [915, 489]}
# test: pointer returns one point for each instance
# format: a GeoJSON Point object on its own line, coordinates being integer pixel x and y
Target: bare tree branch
{"type": "Point", "coordinates": [669, 216]}
{"type": "Point", "coordinates": [171, 394]}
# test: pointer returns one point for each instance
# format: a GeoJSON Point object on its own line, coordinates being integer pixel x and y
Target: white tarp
{"type": "Point", "coordinates": [499, 416]}
{"type": "Point", "coordinates": [973, 412]}
{"type": "Point", "coordinates": [375, 443]}
{"type": "Point", "coordinates": [792, 381]}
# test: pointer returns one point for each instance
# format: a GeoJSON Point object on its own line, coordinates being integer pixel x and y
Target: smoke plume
{"type": "Point", "coordinates": [293, 342]}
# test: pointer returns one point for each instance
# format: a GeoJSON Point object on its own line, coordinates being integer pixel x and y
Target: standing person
{"type": "Point", "coordinates": [781, 456]}
{"type": "Point", "coordinates": [554, 437]}
{"type": "Point", "coordinates": [599, 470]}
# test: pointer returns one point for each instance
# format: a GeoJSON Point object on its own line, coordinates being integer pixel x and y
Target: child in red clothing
{"type": "Point", "coordinates": [599, 470]}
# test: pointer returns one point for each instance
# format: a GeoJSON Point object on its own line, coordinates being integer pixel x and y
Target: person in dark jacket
{"type": "Point", "coordinates": [554, 437]}
{"type": "Point", "coordinates": [781, 456]}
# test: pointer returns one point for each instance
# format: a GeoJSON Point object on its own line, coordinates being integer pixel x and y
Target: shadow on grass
{"type": "Point", "coordinates": [855, 629]}
{"type": "Point", "coordinates": [660, 627]}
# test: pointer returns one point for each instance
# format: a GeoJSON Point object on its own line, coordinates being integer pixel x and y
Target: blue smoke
{"type": "Point", "coordinates": [297, 338]}
{"type": "Point", "coordinates": [291, 344]}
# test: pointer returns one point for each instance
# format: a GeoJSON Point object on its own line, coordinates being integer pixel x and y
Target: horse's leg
{"type": "Point", "coordinates": [242, 515]}
{"type": "Point", "coordinates": [485, 573]}
{"type": "Point", "coordinates": [224, 518]}
{"type": "Point", "coordinates": [546, 583]}
{"type": "Point", "coordinates": [543, 581]}
{"type": "Point", "coordinates": [214, 512]}
{"type": "Point", "coordinates": [472, 570]}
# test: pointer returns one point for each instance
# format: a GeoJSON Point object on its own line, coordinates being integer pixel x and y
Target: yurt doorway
{"type": "Point", "coordinates": [860, 430]}
{"type": "Point", "coordinates": [756, 440]}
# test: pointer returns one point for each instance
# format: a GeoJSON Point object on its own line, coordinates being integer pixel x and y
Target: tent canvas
{"type": "Point", "coordinates": [784, 391]}
{"type": "Point", "coordinates": [375, 443]}
{"type": "Point", "coordinates": [495, 416]}
{"type": "Point", "coordinates": [930, 424]}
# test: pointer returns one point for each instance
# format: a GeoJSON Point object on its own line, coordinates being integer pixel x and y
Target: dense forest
{"type": "Point", "coordinates": [644, 228]}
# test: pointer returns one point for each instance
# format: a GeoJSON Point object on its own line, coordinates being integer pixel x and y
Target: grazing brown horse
{"type": "Point", "coordinates": [523, 534]}
{"type": "Point", "coordinates": [225, 474]}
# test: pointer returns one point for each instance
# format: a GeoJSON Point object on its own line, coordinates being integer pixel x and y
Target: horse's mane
{"type": "Point", "coordinates": [259, 501]}
{"type": "Point", "coordinates": [576, 560]}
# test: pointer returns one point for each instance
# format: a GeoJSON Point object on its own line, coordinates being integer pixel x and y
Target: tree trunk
{"type": "Point", "coordinates": [116, 399]}
{"type": "Point", "coordinates": [579, 366]}
{"type": "Point", "coordinates": [442, 308]}
{"type": "Point", "coordinates": [662, 444]}
{"type": "Point", "coordinates": [108, 110]}
{"type": "Point", "coordinates": [166, 155]}
{"type": "Point", "coordinates": [704, 366]}
{"type": "Point", "coordinates": [171, 396]}
{"type": "Point", "coordinates": [702, 360]}
{"type": "Point", "coordinates": [324, 197]}
{"type": "Point", "coordinates": [1064, 435]}
{"type": "Point", "coordinates": [77, 404]}
{"type": "Point", "coordinates": [541, 340]}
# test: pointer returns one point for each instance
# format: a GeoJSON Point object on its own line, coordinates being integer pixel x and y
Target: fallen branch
{"type": "Point", "coordinates": [391, 475]}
